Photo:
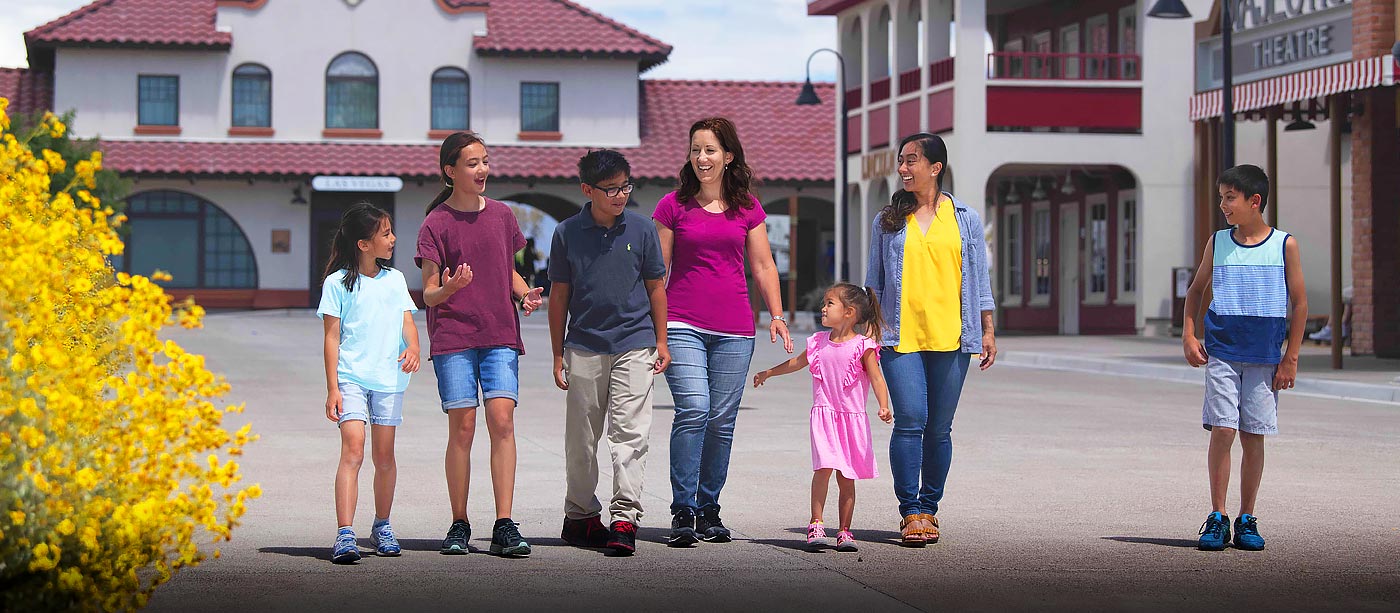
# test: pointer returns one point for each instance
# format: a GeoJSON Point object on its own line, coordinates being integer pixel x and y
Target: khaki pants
{"type": "Point", "coordinates": [614, 389]}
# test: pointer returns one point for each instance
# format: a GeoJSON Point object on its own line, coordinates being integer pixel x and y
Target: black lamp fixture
{"type": "Point", "coordinates": [1176, 9]}
{"type": "Point", "coordinates": [297, 198]}
{"type": "Point", "coordinates": [808, 97]}
{"type": "Point", "coordinates": [1169, 9]}
{"type": "Point", "coordinates": [1298, 123]}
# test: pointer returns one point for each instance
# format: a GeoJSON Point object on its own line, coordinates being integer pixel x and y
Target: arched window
{"type": "Point", "coordinates": [189, 237]}
{"type": "Point", "coordinates": [252, 96]}
{"type": "Point", "coordinates": [451, 99]}
{"type": "Point", "coordinates": [352, 92]}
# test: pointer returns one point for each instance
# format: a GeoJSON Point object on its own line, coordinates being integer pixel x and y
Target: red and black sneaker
{"type": "Point", "coordinates": [587, 532]}
{"type": "Point", "coordinates": [624, 538]}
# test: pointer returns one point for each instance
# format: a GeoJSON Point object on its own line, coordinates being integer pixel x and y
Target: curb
{"type": "Point", "coordinates": [1344, 390]}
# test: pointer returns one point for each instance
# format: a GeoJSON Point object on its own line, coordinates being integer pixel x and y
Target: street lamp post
{"type": "Point", "coordinates": [809, 97]}
{"type": "Point", "coordinates": [1175, 9]}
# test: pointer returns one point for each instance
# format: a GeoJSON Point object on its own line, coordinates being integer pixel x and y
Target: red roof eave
{"type": "Point", "coordinates": [830, 7]}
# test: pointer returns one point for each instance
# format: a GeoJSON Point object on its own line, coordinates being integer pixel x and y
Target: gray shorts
{"type": "Point", "coordinates": [1240, 396]}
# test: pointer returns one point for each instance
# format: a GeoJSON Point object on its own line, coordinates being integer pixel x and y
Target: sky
{"type": "Point", "coordinates": [722, 39]}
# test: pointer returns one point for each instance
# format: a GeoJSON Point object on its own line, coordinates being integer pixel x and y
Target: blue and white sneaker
{"type": "Point", "coordinates": [1247, 533]}
{"type": "Point", "coordinates": [382, 537]}
{"type": "Point", "coordinates": [345, 551]}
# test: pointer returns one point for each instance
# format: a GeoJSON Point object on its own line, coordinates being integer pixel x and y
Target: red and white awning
{"type": "Point", "coordinates": [1350, 76]}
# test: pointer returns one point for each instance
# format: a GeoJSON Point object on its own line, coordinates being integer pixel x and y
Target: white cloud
{"type": "Point", "coordinates": [724, 39]}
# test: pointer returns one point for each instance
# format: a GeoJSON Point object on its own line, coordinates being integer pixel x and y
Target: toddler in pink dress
{"type": "Point", "coordinates": [845, 366]}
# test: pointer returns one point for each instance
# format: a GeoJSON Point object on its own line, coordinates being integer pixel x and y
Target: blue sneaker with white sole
{"type": "Point", "coordinates": [1247, 533]}
{"type": "Point", "coordinates": [382, 537]}
{"type": "Point", "coordinates": [345, 550]}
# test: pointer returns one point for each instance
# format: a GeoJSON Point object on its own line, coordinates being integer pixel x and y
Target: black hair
{"type": "Point", "coordinates": [360, 223]}
{"type": "Point", "coordinates": [452, 146]}
{"type": "Point", "coordinates": [600, 165]}
{"type": "Point", "coordinates": [736, 178]}
{"type": "Point", "coordinates": [867, 307]}
{"type": "Point", "coordinates": [1248, 180]}
{"type": "Point", "coordinates": [903, 202]}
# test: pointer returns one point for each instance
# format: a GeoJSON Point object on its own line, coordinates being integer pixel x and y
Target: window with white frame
{"type": "Point", "coordinates": [1012, 246]}
{"type": "Point", "coordinates": [1040, 242]}
{"type": "Point", "coordinates": [1097, 286]}
{"type": "Point", "coordinates": [1127, 246]}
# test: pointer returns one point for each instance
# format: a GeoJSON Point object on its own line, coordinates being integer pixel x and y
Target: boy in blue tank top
{"type": "Point", "coordinates": [1255, 277]}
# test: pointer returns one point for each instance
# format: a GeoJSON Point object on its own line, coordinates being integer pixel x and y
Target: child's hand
{"type": "Point", "coordinates": [1195, 353]}
{"type": "Point", "coordinates": [531, 300]}
{"type": "Point", "coordinates": [1285, 374]}
{"type": "Point", "coordinates": [663, 359]}
{"type": "Point", "coordinates": [759, 378]}
{"type": "Point", "coordinates": [461, 279]}
{"type": "Point", "coordinates": [409, 359]}
{"type": "Point", "coordinates": [561, 376]}
{"type": "Point", "coordinates": [334, 404]}
{"type": "Point", "coordinates": [886, 415]}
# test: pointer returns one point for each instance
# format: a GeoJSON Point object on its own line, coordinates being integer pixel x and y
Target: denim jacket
{"type": "Point", "coordinates": [885, 274]}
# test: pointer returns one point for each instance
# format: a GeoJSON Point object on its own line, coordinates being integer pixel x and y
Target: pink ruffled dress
{"type": "Point", "coordinates": [840, 386]}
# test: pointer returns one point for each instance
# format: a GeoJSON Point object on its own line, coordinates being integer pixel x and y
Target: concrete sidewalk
{"type": "Point", "coordinates": [1362, 378]}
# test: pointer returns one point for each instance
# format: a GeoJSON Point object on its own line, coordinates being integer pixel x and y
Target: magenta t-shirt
{"type": "Point", "coordinates": [707, 287]}
{"type": "Point", "coordinates": [482, 314]}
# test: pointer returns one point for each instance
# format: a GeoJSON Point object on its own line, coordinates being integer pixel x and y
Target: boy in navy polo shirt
{"type": "Point", "coordinates": [607, 279]}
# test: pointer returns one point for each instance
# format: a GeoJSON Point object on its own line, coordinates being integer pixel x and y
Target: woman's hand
{"type": "Point", "coordinates": [777, 328]}
{"type": "Point", "coordinates": [334, 404]}
{"type": "Point", "coordinates": [989, 350]}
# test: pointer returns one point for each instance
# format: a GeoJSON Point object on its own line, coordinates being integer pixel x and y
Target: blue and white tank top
{"type": "Point", "coordinates": [1248, 316]}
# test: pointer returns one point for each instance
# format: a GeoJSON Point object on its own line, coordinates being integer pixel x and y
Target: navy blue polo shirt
{"type": "Point", "coordinates": [609, 311]}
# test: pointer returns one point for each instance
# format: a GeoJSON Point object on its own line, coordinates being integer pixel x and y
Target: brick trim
{"type": "Point", "coordinates": [250, 131]}
{"type": "Point", "coordinates": [371, 133]}
{"type": "Point", "coordinates": [156, 130]}
{"type": "Point", "coordinates": [540, 136]}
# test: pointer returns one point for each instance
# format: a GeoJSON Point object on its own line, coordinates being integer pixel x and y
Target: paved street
{"type": "Point", "coordinates": [1068, 491]}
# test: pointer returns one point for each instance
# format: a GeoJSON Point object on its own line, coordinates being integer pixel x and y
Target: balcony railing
{"type": "Point", "coordinates": [853, 98]}
{"type": "Point", "coordinates": [1065, 66]}
{"type": "Point", "coordinates": [940, 72]}
{"type": "Point", "coordinates": [909, 81]}
{"type": "Point", "coordinates": [880, 90]}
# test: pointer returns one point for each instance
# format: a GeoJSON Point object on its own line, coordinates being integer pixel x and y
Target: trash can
{"type": "Point", "coordinates": [1181, 282]}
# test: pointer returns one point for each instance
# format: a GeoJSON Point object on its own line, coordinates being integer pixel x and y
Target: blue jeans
{"type": "Point", "coordinates": [495, 370]}
{"type": "Point", "coordinates": [924, 391]}
{"type": "Point", "coordinates": [706, 377]}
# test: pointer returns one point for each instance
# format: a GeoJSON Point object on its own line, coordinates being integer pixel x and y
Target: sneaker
{"type": "Point", "coordinates": [345, 551]}
{"type": "Point", "coordinates": [682, 529]}
{"type": "Point", "coordinates": [506, 541]}
{"type": "Point", "coordinates": [1247, 533]}
{"type": "Point", "coordinates": [624, 538]}
{"type": "Point", "coordinates": [1322, 336]}
{"type": "Point", "coordinates": [710, 528]}
{"type": "Point", "coordinates": [816, 536]}
{"type": "Point", "coordinates": [845, 541]}
{"type": "Point", "coordinates": [589, 532]}
{"type": "Point", "coordinates": [1214, 533]}
{"type": "Point", "coordinates": [382, 537]}
{"type": "Point", "coordinates": [457, 537]}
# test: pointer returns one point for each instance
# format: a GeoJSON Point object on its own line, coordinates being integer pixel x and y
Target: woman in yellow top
{"type": "Point", "coordinates": [928, 267]}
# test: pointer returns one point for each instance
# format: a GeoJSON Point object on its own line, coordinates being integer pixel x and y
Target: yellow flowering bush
{"type": "Point", "coordinates": [115, 469]}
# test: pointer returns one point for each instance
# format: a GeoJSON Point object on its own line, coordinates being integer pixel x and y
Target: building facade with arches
{"type": "Point", "coordinates": [246, 138]}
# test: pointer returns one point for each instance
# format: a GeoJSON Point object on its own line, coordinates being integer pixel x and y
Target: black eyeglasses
{"type": "Point", "coordinates": [613, 192]}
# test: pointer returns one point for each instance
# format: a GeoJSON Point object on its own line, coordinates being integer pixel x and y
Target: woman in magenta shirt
{"type": "Point", "coordinates": [708, 228]}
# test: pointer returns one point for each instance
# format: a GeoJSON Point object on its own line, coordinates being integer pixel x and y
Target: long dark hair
{"type": "Point", "coordinates": [867, 307]}
{"type": "Point", "coordinates": [447, 156]}
{"type": "Point", "coordinates": [903, 202]}
{"type": "Point", "coordinates": [360, 223]}
{"type": "Point", "coordinates": [737, 178]}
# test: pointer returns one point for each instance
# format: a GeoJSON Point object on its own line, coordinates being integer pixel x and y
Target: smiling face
{"type": "Point", "coordinates": [835, 313]}
{"type": "Point", "coordinates": [381, 244]}
{"type": "Point", "coordinates": [916, 173]}
{"type": "Point", "coordinates": [470, 171]}
{"type": "Point", "coordinates": [708, 157]}
{"type": "Point", "coordinates": [1237, 207]}
{"type": "Point", "coordinates": [610, 206]}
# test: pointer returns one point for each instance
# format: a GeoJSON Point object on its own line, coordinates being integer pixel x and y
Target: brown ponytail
{"type": "Point", "coordinates": [867, 307]}
{"type": "Point", "coordinates": [452, 147]}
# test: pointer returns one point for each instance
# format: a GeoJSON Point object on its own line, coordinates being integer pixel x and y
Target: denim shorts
{"type": "Point", "coordinates": [376, 408]}
{"type": "Point", "coordinates": [495, 370]}
{"type": "Point", "coordinates": [1240, 396]}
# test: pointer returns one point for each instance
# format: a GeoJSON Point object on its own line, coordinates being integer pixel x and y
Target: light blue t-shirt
{"type": "Point", "coordinates": [371, 328]}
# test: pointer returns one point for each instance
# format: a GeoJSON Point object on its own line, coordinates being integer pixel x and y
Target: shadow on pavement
{"type": "Point", "coordinates": [1147, 540]}
{"type": "Point", "coordinates": [321, 553]}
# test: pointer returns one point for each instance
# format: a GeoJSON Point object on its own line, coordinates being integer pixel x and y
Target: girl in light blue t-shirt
{"type": "Point", "coordinates": [371, 348]}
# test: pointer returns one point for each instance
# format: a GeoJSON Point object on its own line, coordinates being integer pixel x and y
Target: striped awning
{"type": "Point", "coordinates": [1350, 76]}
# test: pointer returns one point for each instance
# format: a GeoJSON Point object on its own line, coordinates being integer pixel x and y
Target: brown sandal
{"type": "Point", "coordinates": [930, 527]}
{"type": "Point", "coordinates": [911, 530]}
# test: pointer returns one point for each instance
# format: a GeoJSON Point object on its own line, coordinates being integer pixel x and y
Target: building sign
{"type": "Point", "coordinates": [878, 164]}
{"type": "Point", "coordinates": [325, 183]}
{"type": "Point", "coordinates": [1278, 37]}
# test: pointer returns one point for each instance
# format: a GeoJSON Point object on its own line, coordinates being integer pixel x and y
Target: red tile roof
{"type": "Point", "coordinates": [526, 27]}
{"type": "Point", "coordinates": [830, 7]}
{"type": "Point", "coordinates": [27, 90]}
{"type": "Point", "coordinates": [783, 142]}
{"type": "Point", "coordinates": [175, 23]}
